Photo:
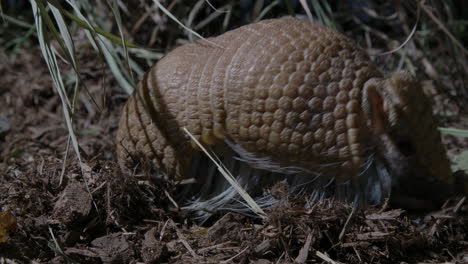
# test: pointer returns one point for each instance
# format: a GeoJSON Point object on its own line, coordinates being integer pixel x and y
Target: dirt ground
{"type": "Point", "coordinates": [102, 216]}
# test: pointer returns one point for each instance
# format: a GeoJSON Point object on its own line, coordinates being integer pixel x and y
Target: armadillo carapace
{"type": "Point", "coordinates": [291, 97]}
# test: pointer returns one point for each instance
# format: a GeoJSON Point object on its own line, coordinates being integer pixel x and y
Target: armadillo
{"type": "Point", "coordinates": [286, 98]}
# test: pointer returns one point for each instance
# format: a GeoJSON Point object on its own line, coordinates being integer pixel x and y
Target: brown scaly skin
{"type": "Point", "coordinates": [299, 94]}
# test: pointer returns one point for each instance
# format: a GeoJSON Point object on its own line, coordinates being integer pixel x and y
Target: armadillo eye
{"type": "Point", "coordinates": [406, 146]}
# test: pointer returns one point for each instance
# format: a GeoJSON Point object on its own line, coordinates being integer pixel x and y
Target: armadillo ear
{"type": "Point", "coordinates": [373, 105]}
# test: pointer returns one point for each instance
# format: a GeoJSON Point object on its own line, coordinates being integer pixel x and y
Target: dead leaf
{"type": "Point", "coordinates": [7, 224]}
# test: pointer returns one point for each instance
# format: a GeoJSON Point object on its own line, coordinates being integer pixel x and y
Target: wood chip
{"type": "Point", "coordinates": [304, 252]}
{"type": "Point", "coordinates": [387, 215]}
{"type": "Point", "coordinates": [372, 236]}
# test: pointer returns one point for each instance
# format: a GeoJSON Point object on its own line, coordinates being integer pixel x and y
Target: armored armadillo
{"type": "Point", "coordinates": [292, 98]}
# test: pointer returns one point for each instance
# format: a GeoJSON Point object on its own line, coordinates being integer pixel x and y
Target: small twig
{"type": "Point", "coordinates": [357, 254]}
{"type": "Point", "coordinates": [187, 246]}
{"type": "Point", "coordinates": [141, 20]}
{"type": "Point", "coordinates": [326, 258]}
{"type": "Point", "coordinates": [444, 29]}
{"type": "Point", "coordinates": [418, 15]}
{"type": "Point", "coordinates": [450, 253]}
{"type": "Point", "coordinates": [163, 230]}
{"type": "Point", "coordinates": [216, 9]}
{"type": "Point", "coordinates": [217, 246]}
{"type": "Point", "coordinates": [374, 31]}
{"type": "Point", "coordinates": [441, 220]}
{"type": "Point", "coordinates": [283, 242]}
{"type": "Point", "coordinates": [384, 206]}
{"type": "Point", "coordinates": [172, 200]}
{"type": "Point", "coordinates": [58, 249]}
{"type": "Point", "coordinates": [235, 256]}
{"type": "Point", "coordinates": [151, 221]}
{"type": "Point", "coordinates": [459, 204]}
{"type": "Point", "coordinates": [346, 224]}
{"type": "Point", "coordinates": [111, 215]}
{"type": "Point", "coordinates": [184, 242]}
{"type": "Point", "coordinates": [108, 199]}
{"type": "Point", "coordinates": [99, 187]}
{"type": "Point", "coordinates": [304, 252]}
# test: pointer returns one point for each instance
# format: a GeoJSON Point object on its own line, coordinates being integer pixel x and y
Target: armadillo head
{"type": "Point", "coordinates": [408, 141]}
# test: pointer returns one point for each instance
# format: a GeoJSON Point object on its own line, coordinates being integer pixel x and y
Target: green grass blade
{"type": "Point", "coordinates": [51, 61]}
{"type": "Point", "coordinates": [230, 178]}
{"type": "Point", "coordinates": [97, 41]}
{"type": "Point", "coordinates": [118, 20]}
{"type": "Point", "coordinates": [306, 8]}
{"type": "Point", "coordinates": [270, 7]}
{"type": "Point", "coordinates": [88, 26]}
{"type": "Point", "coordinates": [113, 63]}
{"type": "Point", "coordinates": [454, 131]}
{"type": "Point", "coordinates": [70, 48]}
{"type": "Point", "coordinates": [16, 22]}
{"type": "Point", "coordinates": [171, 16]}
{"type": "Point", "coordinates": [65, 34]}
{"type": "Point", "coordinates": [51, 26]}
